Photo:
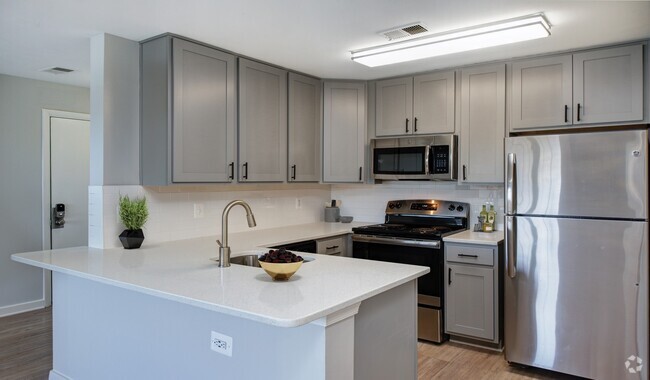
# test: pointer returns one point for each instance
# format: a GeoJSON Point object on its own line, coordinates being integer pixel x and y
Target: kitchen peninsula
{"type": "Point", "coordinates": [154, 312]}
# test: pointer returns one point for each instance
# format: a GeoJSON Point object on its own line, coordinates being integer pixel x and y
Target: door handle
{"type": "Point", "coordinates": [449, 277]}
{"type": "Point", "coordinates": [511, 184]}
{"type": "Point", "coordinates": [578, 111]}
{"type": "Point", "coordinates": [566, 113]}
{"type": "Point", "coordinates": [58, 216]}
{"type": "Point", "coordinates": [464, 172]}
{"type": "Point", "coordinates": [293, 170]}
{"type": "Point", "coordinates": [511, 245]}
{"type": "Point", "coordinates": [415, 124]}
{"type": "Point", "coordinates": [245, 175]}
{"type": "Point", "coordinates": [407, 125]}
{"type": "Point", "coordinates": [232, 171]}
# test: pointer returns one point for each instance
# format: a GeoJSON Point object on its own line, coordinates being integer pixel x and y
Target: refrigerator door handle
{"type": "Point", "coordinates": [511, 246]}
{"type": "Point", "coordinates": [511, 184]}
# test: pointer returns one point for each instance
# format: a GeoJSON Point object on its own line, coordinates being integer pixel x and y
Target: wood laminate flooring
{"type": "Point", "coordinates": [26, 353]}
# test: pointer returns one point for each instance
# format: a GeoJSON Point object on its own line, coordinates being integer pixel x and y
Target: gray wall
{"type": "Point", "coordinates": [21, 102]}
{"type": "Point", "coordinates": [115, 115]}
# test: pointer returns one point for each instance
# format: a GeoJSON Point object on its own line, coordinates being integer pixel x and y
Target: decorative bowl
{"type": "Point", "coordinates": [281, 271]}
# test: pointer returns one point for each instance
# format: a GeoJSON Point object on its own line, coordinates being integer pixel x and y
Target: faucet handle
{"type": "Point", "coordinates": [220, 245]}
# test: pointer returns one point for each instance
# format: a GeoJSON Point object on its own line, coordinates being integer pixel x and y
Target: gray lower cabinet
{"type": "Point", "coordinates": [188, 113]}
{"type": "Point", "coordinates": [344, 131]}
{"type": "Point", "coordinates": [482, 123]}
{"type": "Point", "coordinates": [472, 292]}
{"type": "Point", "coordinates": [262, 122]}
{"type": "Point", "coordinates": [304, 128]}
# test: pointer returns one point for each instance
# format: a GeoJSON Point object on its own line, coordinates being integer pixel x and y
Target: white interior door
{"type": "Point", "coordinates": [69, 178]}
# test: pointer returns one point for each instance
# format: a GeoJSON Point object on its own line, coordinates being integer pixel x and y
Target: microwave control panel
{"type": "Point", "coordinates": [440, 159]}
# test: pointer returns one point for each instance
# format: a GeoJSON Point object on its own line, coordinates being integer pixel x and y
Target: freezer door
{"type": "Point", "coordinates": [600, 174]}
{"type": "Point", "coordinates": [578, 300]}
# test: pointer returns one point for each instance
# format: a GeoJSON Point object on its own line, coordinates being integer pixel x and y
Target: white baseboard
{"type": "Point", "coordinates": [21, 307]}
{"type": "Point", "coordinates": [57, 376]}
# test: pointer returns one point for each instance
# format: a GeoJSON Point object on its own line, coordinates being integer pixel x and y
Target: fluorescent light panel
{"type": "Point", "coordinates": [494, 34]}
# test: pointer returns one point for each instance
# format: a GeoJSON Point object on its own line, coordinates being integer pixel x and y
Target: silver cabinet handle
{"type": "Point", "coordinates": [464, 172]}
{"type": "Point", "coordinates": [245, 176]}
{"type": "Point", "coordinates": [407, 125]}
{"type": "Point", "coordinates": [415, 124]}
{"type": "Point", "coordinates": [293, 169]}
{"type": "Point", "coordinates": [332, 247]}
{"type": "Point", "coordinates": [578, 111]}
{"type": "Point", "coordinates": [511, 184]}
{"type": "Point", "coordinates": [360, 173]}
{"type": "Point", "coordinates": [511, 245]}
{"type": "Point", "coordinates": [449, 277]}
{"type": "Point", "coordinates": [232, 171]}
{"type": "Point", "coordinates": [566, 113]}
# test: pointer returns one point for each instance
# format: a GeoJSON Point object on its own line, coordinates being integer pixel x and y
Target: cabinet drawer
{"type": "Point", "coordinates": [469, 254]}
{"type": "Point", "coordinates": [334, 246]}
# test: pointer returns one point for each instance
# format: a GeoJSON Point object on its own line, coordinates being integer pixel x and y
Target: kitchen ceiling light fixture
{"type": "Point", "coordinates": [477, 37]}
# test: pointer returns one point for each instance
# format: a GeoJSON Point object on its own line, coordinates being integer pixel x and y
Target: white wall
{"type": "Point", "coordinates": [21, 104]}
{"type": "Point", "coordinates": [368, 202]}
{"type": "Point", "coordinates": [171, 210]}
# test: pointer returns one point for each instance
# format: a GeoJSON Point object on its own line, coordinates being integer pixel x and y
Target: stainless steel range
{"type": "Point", "coordinates": [412, 234]}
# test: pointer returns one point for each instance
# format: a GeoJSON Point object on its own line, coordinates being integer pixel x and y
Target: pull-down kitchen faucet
{"type": "Point", "coordinates": [224, 249]}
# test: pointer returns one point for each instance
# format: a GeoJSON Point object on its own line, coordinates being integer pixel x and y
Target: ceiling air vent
{"type": "Point", "coordinates": [57, 70]}
{"type": "Point", "coordinates": [404, 31]}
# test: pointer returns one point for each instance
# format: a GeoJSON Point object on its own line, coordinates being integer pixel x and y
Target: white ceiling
{"type": "Point", "coordinates": [310, 36]}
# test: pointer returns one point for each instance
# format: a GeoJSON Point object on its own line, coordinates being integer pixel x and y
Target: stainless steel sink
{"type": "Point", "coordinates": [248, 260]}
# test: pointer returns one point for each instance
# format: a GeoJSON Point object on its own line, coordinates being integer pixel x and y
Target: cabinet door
{"type": "Point", "coordinates": [204, 113]}
{"type": "Point", "coordinates": [469, 308]}
{"type": "Point", "coordinates": [541, 93]}
{"type": "Point", "coordinates": [608, 85]}
{"type": "Point", "coordinates": [262, 122]}
{"type": "Point", "coordinates": [434, 100]}
{"type": "Point", "coordinates": [482, 124]}
{"type": "Point", "coordinates": [344, 132]}
{"type": "Point", "coordinates": [304, 128]}
{"type": "Point", "coordinates": [394, 102]}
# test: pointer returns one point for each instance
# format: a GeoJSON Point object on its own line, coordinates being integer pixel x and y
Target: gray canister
{"type": "Point", "coordinates": [332, 214]}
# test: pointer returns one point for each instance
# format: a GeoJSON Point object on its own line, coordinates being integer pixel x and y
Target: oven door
{"type": "Point", "coordinates": [430, 286]}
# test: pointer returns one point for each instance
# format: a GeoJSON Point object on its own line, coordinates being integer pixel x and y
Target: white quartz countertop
{"type": "Point", "coordinates": [471, 237]}
{"type": "Point", "coordinates": [182, 271]}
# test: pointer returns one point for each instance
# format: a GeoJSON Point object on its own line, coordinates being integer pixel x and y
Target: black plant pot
{"type": "Point", "coordinates": [132, 239]}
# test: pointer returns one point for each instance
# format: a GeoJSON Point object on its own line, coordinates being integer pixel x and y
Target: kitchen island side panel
{"type": "Point", "coordinates": [105, 332]}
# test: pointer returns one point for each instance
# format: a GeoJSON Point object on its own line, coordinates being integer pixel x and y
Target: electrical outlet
{"type": "Point", "coordinates": [221, 343]}
{"type": "Point", "coordinates": [199, 210]}
{"type": "Point", "coordinates": [298, 202]}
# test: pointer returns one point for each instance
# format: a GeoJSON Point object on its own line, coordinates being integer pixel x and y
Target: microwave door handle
{"type": "Point", "coordinates": [511, 184]}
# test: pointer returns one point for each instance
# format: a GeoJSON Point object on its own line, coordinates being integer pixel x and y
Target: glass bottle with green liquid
{"type": "Point", "coordinates": [491, 217]}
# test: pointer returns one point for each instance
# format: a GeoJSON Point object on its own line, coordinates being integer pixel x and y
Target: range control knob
{"type": "Point", "coordinates": [452, 207]}
{"type": "Point", "coordinates": [391, 205]}
{"type": "Point", "coordinates": [398, 205]}
{"type": "Point", "coordinates": [459, 208]}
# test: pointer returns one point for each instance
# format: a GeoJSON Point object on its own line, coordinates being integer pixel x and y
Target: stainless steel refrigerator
{"type": "Point", "coordinates": [576, 283]}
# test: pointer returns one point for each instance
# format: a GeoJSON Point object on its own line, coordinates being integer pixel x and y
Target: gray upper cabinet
{"type": "Point", "coordinates": [188, 118]}
{"type": "Point", "coordinates": [541, 93]}
{"type": "Point", "coordinates": [344, 131]}
{"type": "Point", "coordinates": [424, 104]}
{"type": "Point", "coordinates": [594, 87]}
{"type": "Point", "coordinates": [434, 102]}
{"type": "Point", "coordinates": [482, 123]}
{"type": "Point", "coordinates": [394, 99]}
{"type": "Point", "coordinates": [608, 85]}
{"type": "Point", "coordinates": [304, 128]}
{"type": "Point", "coordinates": [262, 122]}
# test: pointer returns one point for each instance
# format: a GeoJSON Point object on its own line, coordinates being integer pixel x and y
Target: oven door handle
{"type": "Point", "coordinates": [397, 241]}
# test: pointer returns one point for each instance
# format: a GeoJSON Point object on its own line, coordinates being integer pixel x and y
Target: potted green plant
{"type": "Point", "coordinates": [133, 214]}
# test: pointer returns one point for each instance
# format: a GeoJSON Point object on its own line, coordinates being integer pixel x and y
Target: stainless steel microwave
{"type": "Point", "coordinates": [432, 158]}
